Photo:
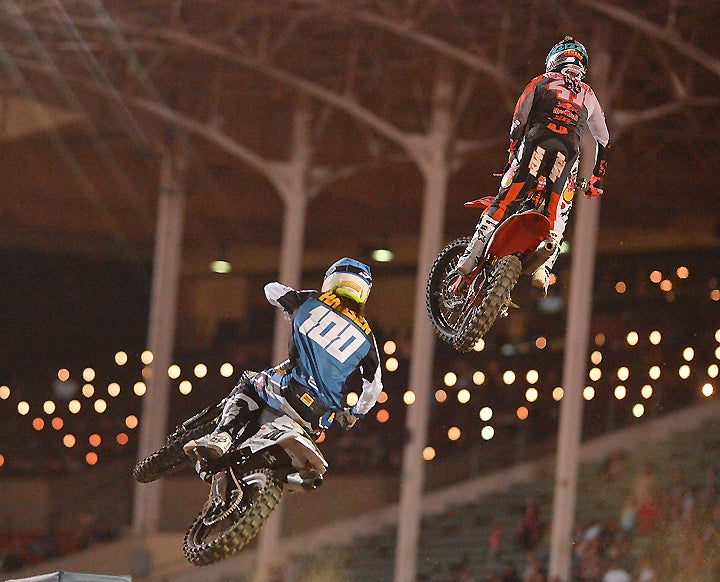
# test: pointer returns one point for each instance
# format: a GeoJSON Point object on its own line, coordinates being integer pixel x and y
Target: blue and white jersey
{"type": "Point", "coordinates": [333, 350]}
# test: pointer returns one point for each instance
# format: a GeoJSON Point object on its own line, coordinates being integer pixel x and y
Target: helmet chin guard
{"type": "Point", "coordinates": [349, 278]}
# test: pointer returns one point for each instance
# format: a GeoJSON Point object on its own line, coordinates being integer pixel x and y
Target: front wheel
{"type": "Point", "coordinates": [496, 294]}
{"type": "Point", "coordinates": [211, 540]}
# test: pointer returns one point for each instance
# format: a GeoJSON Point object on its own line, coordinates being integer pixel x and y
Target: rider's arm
{"type": "Point", "coordinates": [371, 375]}
{"type": "Point", "coordinates": [599, 130]}
{"type": "Point", "coordinates": [285, 297]}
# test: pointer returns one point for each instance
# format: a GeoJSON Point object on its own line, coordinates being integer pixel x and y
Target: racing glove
{"type": "Point", "coordinates": [595, 187]}
{"type": "Point", "coordinates": [345, 418]}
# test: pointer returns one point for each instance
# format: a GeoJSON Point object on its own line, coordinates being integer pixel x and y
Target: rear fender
{"type": "Point", "coordinates": [521, 233]}
{"type": "Point", "coordinates": [285, 432]}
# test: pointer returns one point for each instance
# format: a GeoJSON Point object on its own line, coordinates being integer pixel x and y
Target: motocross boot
{"type": "Point", "coordinates": [240, 408]}
{"type": "Point", "coordinates": [466, 262]}
{"type": "Point", "coordinates": [209, 447]}
{"type": "Point", "coordinates": [541, 276]}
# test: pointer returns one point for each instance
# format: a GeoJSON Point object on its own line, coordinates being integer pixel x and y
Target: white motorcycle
{"type": "Point", "coordinates": [247, 482]}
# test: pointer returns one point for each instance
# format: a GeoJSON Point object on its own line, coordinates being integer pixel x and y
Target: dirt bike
{"type": "Point", "coordinates": [247, 482]}
{"type": "Point", "coordinates": [462, 314]}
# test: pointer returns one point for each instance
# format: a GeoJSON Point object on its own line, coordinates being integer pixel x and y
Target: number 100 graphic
{"type": "Point", "coordinates": [331, 331]}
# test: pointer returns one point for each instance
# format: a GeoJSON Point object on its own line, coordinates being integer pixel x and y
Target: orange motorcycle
{"type": "Point", "coordinates": [462, 310]}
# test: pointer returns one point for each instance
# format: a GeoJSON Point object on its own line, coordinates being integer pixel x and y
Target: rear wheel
{"type": "Point", "coordinates": [211, 540]}
{"type": "Point", "coordinates": [444, 307]}
{"type": "Point", "coordinates": [479, 318]}
{"type": "Point", "coordinates": [170, 458]}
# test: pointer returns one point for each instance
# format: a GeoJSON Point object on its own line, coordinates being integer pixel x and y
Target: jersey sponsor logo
{"type": "Point", "coordinates": [566, 113]}
{"type": "Point", "coordinates": [558, 167]}
{"type": "Point", "coordinates": [336, 335]}
{"type": "Point", "coordinates": [536, 160]}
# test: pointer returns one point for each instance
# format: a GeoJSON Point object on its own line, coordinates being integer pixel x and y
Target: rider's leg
{"type": "Point", "coordinates": [541, 276]}
{"type": "Point", "coordinates": [510, 187]}
{"type": "Point", "coordinates": [563, 190]}
{"type": "Point", "coordinates": [506, 198]}
{"type": "Point", "coordinates": [241, 406]}
{"type": "Point", "coordinates": [281, 393]}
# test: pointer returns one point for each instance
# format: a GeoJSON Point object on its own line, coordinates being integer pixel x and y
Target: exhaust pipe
{"type": "Point", "coordinates": [310, 482]}
{"type": "Point", "coordinates": [542, 253]}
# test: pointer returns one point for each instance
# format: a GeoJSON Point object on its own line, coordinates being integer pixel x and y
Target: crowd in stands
{"type": "Point", "coordinates": [20, 548]}
{"type": "Point", "coordinates": [666, 528]}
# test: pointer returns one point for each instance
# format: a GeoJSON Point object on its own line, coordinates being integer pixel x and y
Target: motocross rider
{"type": "Point", "coordinates": [332, 351]}
{"type": "Point", "coordinates": [549, 120]}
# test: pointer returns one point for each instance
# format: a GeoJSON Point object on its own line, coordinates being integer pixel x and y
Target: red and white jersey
{"type": "Point", "coordinates": [563, 107]}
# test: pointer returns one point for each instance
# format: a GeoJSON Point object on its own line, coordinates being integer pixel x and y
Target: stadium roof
{"type": "Point", "coordinates": [91, 90]}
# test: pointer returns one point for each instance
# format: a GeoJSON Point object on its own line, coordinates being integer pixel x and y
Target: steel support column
{"type": "Point", "coordinates": [574, 374]}
{"type": "Point", "coordinates": [161, 332]}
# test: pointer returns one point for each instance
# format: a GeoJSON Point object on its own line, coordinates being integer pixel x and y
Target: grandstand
{"type": "Point", "coordinates": [655, 350]}
{"type": "Point", "coordinates": [458, 519]}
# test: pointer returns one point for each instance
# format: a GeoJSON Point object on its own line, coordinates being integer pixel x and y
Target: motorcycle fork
{"type": "Point", "coordinates": [479, 279]}
{"type": "Point", "coordinates": [219, 486]}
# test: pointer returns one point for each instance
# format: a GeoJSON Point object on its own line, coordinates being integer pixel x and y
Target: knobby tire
{"type": "Point", "coordinates": [480, 319]}
{"type": "Point", "coordinates": [243, 523]}
{"type": "Point", "coordinates": [438, 298]}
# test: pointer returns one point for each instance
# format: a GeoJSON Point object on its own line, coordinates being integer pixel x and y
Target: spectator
{"type": "Point", "coordinates": [647, 516]}
{"type": "Point", "coordinates": [628, 517]}
{"type": "Point", "coordinates": [587, 552]}
{"type": "Point", "coordinates": [688, 503]}
{"type": "Point", "coordinates": [647, 574]}
{"type": "Point", "coordinates": [497, 533]}
{"type": "Point", "coordinates": [11, 561]}
{"type": "Point", "coordinates": [616, 465]}
{"type": "Point", "coordinates": [531, 526]}
{"type": "Point", "coordinates": [644, 484]}
{"type": "Point", "coordinates": [677, 491]}
{"type": "Point", "coordinates": [715, 516]}
{"type": "Point", "coordinates": [461, 572]}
